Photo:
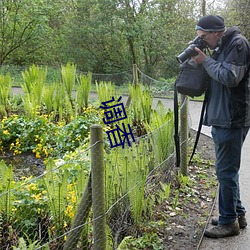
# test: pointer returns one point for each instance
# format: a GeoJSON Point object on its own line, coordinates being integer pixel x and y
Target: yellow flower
{"type": "Point", "coordinates": [38, 155]}
{"type": "Point", "coordinates": [17, 152]}
{"type": "Point", "coordinates": [45, 151]}
{"type": "Point", "coordinates": [69, 211]}
{"type": "Point", "coordinates": [14, 209]}
{"type": "Point", "coordinates": [31, 187]}
{"type": "Point", "coordinates": [37, 196]}
{"type": "Point", "coordinates": [6, 132]}
{"type": "Point", "coordinates": [12, 145]}
{"type": "Point", "coordinates": [73, 199]}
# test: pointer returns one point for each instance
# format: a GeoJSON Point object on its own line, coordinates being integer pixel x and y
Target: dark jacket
{"type": "Point", "coordinates": [228, 103]}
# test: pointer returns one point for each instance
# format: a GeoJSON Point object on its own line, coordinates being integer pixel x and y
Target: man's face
{"type": "Point", "coordinates": [211, 38]}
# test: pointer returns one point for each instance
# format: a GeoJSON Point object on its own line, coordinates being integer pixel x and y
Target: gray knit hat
{"type": "Point", "coordinates": [210, 23]}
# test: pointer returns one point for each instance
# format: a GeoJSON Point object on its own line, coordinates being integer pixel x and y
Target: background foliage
{"type": "Point", "coordinates": [106, 36]}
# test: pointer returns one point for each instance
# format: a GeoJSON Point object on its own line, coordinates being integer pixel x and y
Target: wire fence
{"type": "Point", "coordinates": [160, 87]}
{"type": "Point", "coordinates": [60, 209]}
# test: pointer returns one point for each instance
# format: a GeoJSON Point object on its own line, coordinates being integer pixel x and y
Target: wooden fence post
{"type": "Point", "coordinates": [135, 74]}
{"type": "Point", "coordinates": [135, 82]}
{"type": "Point", "coordinates": [80, 218]}
{"type": "Point", "coordinates": [184, 135]}
{"type": "Point", "coordinates": [98, 195]}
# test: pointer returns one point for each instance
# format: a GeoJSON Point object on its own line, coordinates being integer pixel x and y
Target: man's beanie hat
{"type": "Point", "coordinates": [210, 23]}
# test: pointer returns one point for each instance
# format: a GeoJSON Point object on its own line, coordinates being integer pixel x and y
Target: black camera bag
{"type": "Point", "coordinates": [192, 79]}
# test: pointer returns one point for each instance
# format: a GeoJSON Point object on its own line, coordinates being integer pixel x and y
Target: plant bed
{"type": "Point", "coordinates": [180, 215]}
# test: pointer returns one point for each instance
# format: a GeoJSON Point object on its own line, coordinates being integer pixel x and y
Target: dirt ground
{"type": "Point", "coordinates": [187, 222]}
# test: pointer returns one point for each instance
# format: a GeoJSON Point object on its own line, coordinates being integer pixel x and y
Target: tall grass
{"type": "Point", "coordinates": [5, 90]}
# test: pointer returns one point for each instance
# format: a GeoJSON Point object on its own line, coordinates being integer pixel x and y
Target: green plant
{"type": "Point", "coordinates": [34, 81]}
{"type": "Point", "coordinates": [105, 91]}
{"type": "Point", "coordinates": [141, 103]}
{"type": "Point", "coordinates": [184, 181]}
{"type": "Point", "coordinates": [161, 131]}
{"type": "Point", "coordinates": [68, 74]}
{"type": "Point", "coordinates": [83, 91]}
{"type": "Point", "coordinates": [126, 172]}
{"type": "Point", "coordinates": [23, 134]}
{"type": "Point", "coordinates": [30, 207]}
{"type": "Point", "coordinates": [42, 136]}
{"type": "Point", "coordinates": [29, 244]}
{"type": "Point", "coordinates": [164, 191]}
{"type": "Point", "coordinates": [147, 241]}
{"type": "Point", "coordinates": [6, 196]}
{"type": "Point", "coordinates": [64, 183]}
{"type": "Point", "coordinates": [56, 187]}
{"type": "Point", "coordinates": [176, 199]}
{"type": "Point", "coordinates": [48, 98]}
{"type": "Point", "coordinates": [5, 90]}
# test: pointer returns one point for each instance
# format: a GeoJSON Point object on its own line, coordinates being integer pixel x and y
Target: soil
{"type": "Point", "coordinates": [25, 164]}
{"type": "Point", "coordinates": [186, 223]}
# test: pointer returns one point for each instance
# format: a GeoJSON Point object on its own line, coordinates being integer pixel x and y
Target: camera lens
{"type": "Point", "coordinates": [187, 53]}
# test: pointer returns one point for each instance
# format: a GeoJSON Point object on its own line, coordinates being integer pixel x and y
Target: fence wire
{"type": "Point", "coordinates": [41, 212]}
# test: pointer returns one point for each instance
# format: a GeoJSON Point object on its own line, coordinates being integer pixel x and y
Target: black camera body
{"type": "Point", "coordinates": [190, 51]}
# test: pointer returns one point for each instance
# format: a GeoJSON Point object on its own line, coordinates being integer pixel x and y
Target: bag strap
{"type": "Point", "coordinates": [176, 126]}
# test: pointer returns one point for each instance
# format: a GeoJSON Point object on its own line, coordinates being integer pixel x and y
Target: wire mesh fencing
{"type": "Point", "coordinates": [56, 209]}
{"type": "Point", "coordinates": [95, 198]}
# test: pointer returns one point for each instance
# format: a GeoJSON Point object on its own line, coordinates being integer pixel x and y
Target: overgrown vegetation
{"type": "Point", "coordinates": [38, 211]}
{"type": "Point", "coordinates": [57, 130]}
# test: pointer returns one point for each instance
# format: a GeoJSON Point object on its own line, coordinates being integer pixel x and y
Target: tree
{"type": "Point", "coordinates": [21, 21]}
{"type": "Point", "coordinates": [105, 36]}
{"type": "Point", "coordinates": [101, 36]}
{"type": "Point", "coordinates": [237, 13]}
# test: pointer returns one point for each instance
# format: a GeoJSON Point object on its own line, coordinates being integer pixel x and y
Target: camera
{"type": "Point", "coordinates": [190, 51]}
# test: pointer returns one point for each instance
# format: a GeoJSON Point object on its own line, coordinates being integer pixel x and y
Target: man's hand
{"type": "Point", "coordinates": [200, 58]}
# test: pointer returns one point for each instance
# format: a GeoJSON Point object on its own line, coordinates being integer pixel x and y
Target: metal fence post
{"type": "Point", "coordinates": [184, 135]}
{"type": "Point", "coordinates": [98, 195]}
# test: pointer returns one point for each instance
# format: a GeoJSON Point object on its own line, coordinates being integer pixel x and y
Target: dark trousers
{"type": "Point", "coordinates": [228, 145]}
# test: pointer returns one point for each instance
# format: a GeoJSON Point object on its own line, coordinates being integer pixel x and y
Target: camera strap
{"type": "Point", "coordinates": [199, 127]}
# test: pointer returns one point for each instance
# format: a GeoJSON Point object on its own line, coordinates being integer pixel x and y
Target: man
{"type": "Point", "coordinates": [228, 112]}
